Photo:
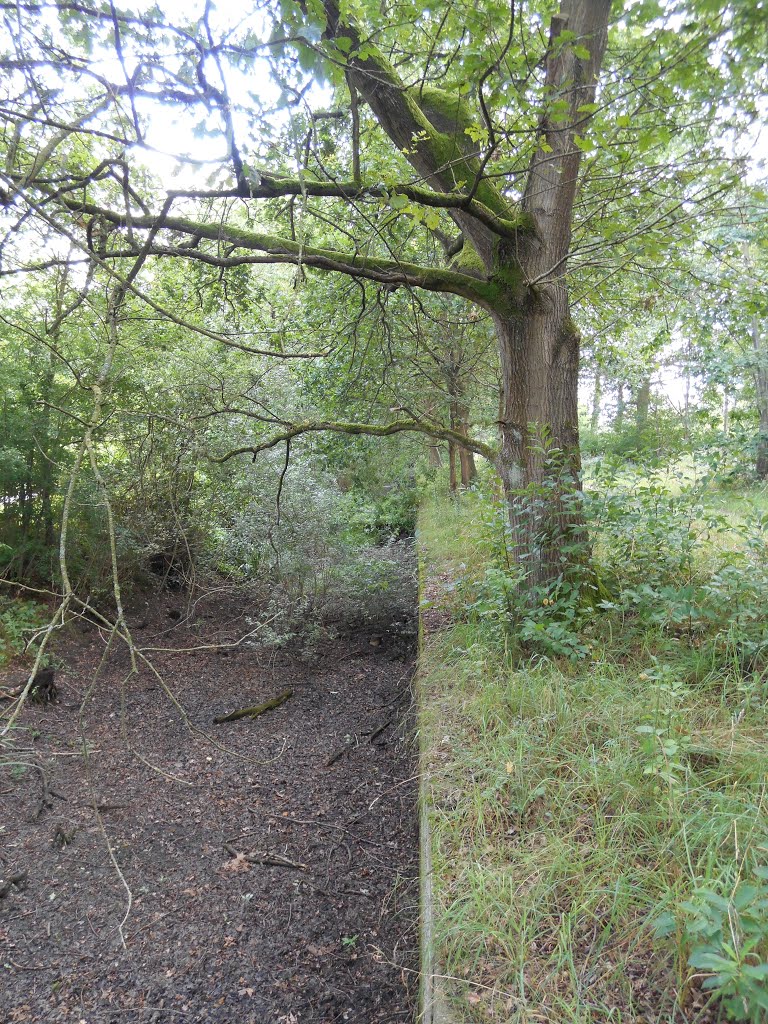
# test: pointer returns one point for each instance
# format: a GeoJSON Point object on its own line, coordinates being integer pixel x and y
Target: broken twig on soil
{"type": "Point", "coordinates": [353, 742]}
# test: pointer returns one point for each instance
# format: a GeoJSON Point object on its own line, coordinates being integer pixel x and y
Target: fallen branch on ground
{"type": "Point", "coordinates": [255, 711]}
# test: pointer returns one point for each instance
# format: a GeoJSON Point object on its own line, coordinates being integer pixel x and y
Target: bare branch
{"type": "Point", "coordinates": [369, 429]}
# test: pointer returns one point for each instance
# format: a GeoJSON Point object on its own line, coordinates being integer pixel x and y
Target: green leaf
{"type": "Point", "coordinates": [664, 925]}
{"type": "Point", "coordinates": [398, 202]}
{"type": "Point", "coordinates": [344, 43]}
{"type": "Point", "coordinates": [705, 960]}
{"type": "Point", "coordinates": [757, 971]}
{"type": "Point", "coordinates": [744, 895]}
{"type": "Point", "coordinates": [585, 145]}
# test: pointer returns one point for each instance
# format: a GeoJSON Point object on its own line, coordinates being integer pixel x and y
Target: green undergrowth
{"type": "Point", "coordinates": [19, 622]}
{"type": "Point", "coordinates": [599, 815]}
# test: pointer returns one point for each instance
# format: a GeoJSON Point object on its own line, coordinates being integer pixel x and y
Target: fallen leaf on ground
{"type": "Point", "coordinates": [236, 864]}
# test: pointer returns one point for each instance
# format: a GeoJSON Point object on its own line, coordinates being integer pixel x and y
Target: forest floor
{"type": "Point", "coordinates": [262, 870]}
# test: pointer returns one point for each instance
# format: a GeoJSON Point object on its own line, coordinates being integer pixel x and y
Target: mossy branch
{"type": "Point", "coordinates": [428, 129]}
{"type": "Point", "coordinates": [272, 186]}
{"type": "Point", "coordinates": [370, 429]}
{"type": "Point", "coordinates": [275, 249]}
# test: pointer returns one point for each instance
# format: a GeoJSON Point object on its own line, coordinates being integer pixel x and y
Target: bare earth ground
{"type": "Point", "coordinates": [251, 879]}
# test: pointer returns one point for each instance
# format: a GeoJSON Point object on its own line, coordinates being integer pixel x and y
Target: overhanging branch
{"type": "Point", "coordinates": [369, 429]}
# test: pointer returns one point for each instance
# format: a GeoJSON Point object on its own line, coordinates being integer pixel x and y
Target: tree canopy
{"type": "Point", "coordinates": [540, 165]}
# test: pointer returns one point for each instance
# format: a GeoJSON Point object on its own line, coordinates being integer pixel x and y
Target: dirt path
{"type": "Point", "coordinates": [267, 885]}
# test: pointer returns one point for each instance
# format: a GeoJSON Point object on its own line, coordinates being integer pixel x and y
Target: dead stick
{"type": "Point", "coordinates": [353, 741]}
{"type": "Point", "coordinates": [255, 711]}
{"type": "Point", "coordinates": [379, 730]}
{"type": "Point", "coordinates": [341, 751]}
{"type": "Point", "coordinates": [272, 859]}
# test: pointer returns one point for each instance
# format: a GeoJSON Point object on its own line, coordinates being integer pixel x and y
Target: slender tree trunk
{"type": "Point", "coordinates": [687, 407]}
{"type": "Point", "coordinates": [761, 399]}
{"type": "Point", "coordinates": [642, 405]}
{"type": "Point", "coordinates": [596, 400]}
{"type": "Point", "coordinates": [466, 457]}
{"type": "Point", "coordinates": [459, 421]}
{"type": "Point", "coordinates": [452, 480]}
{"type": "Point", "coordinates": [26, 497]}
{"type": "Point", "coordinates": [760, 376]}
{"type": "Point", "coordinates": [618, 420]}
{"type": "Point", "coordinates": [726, 413]}
{"type": "Point", "coordinates": [46, 473]}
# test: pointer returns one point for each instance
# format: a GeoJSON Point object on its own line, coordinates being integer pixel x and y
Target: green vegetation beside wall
{"type": "Point", "coordinates": [600, 828]}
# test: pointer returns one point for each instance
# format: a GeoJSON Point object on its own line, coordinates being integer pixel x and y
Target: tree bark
{"type": "Point", "coordinates": [540, 463]}
{"type": "Point", "coordinates": [467, 460]}
{"type": "Point", "coordinates": [452, 480]}
{"type": "Point", "coordinates": [642, 405]}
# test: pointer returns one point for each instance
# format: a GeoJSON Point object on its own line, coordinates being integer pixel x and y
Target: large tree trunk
{"type": "Point", "coordinates": [540, 464]}
{"type": "Point", "coordinates": [539, 345]}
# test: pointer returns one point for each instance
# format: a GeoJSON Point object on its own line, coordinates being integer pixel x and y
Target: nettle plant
{"type": "Point", "coordinates": [727, 934]}
{"type": "Point", "coordinates": [657, 556]}
{"type": "Point", "coordinates": [664, 737]}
